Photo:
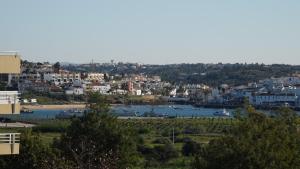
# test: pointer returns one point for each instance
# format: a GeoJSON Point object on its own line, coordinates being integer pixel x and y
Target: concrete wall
{"type": "Point", "coordinates": [7, 148]}
{"type": "Point", "coordinates": [10, 64]}
{"type": "Point", "coordinates": [8, 108]}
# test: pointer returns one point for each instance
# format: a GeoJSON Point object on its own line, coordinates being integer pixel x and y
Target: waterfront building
{"type": "Point", "coordinates": [275, 99]}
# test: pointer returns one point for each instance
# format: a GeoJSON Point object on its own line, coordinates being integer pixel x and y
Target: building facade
{"type": "Point", "coordinates": [10, 64]}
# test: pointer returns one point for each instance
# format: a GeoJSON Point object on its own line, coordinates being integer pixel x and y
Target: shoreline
{"type": "Point", "coordinates": [53, 107]}
{"type": "Point", "coordinates": [83, 106]}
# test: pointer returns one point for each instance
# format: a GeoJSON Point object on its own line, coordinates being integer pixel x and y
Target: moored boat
{"type": "Point", "coordinates": [26, 111]}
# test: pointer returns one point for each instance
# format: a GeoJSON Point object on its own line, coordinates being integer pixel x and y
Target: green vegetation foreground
{"type": "Point", "coordinates": [100, 141]}
{"type": "Point", "coordinates": [256, 142]}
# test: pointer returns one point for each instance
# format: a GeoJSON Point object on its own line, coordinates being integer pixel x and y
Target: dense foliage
{"type": "Point", "coordinates": [256, 142]}
{"type": "Point", "coordinates": [98, 140]}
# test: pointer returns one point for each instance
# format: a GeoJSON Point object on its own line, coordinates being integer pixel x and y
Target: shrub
{"type": "Point", "coordinates": [190, 148]}
{"type": "Point", "coordinates": [162, 140]}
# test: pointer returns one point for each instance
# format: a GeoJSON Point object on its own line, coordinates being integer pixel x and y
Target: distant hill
{"type": "Point", "coordinates": [211, 74]}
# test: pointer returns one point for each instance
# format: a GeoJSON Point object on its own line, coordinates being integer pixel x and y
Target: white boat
{"type": "Point", "coordinates": [222, 113]}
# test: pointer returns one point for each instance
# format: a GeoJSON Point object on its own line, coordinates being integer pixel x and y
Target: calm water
{"type": "Point", "coordinates": [122, 110]}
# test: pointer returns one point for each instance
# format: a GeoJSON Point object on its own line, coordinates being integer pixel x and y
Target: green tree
{"type": "Point", "coordinates": [97, 140]}
{"type": "Point", "coordinates": [97, 103]}
{"type": "Point", "coordinates": [190, 148]}
{"type": "Point", "coordinates": [256, 142]}
{"type": "Point", "coordinates": [164, 153]}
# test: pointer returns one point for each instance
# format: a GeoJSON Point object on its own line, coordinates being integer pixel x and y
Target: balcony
{"type": "Point", "coordinates": [9, 102]}
{"type": "Point", "coordinates": [9, 143]}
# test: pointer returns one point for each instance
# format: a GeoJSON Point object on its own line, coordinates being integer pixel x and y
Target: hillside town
{"type": "Point", "coordinates": [52, 79]}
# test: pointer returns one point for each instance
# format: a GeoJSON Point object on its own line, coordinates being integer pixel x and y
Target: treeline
{"type": "Point", "coordinates": [211, 74]}
{"type": "Point", "coordinates": [216, 74]}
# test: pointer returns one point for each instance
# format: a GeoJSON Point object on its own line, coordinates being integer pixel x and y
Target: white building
{"type": "Point", "coordinates": [74, 91]}
{"type": "Point", "coordinates": [274, 99]}
{"type": "Point", "coordinates": [119, 91]}
{"type": "Point", "coordinates": [103, 89]}
{"type": "Point", "coordinates": [95, 77]}
{"type": "Point", "coordinates": [62, 78]}
{"type": "Point", "coordinates": [173, 92]}
{"type": "Point", "coordinates": [138, 92]}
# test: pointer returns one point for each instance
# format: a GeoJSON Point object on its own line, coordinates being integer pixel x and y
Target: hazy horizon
{"type": "Point", "coordinates": [152, 32]}
{"type": "Point", "coordinates": [127, 62]}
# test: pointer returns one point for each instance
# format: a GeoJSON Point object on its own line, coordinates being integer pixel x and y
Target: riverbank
{"type": "Point", "coordinates": [53, 107]}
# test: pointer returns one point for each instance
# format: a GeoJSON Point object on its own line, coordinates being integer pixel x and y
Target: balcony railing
{"type": "Point", "coordinates": [9, 143]}
{"type": "Point", "coordinates": [9, 102]}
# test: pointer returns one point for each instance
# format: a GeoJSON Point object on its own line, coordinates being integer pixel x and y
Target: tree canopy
{"type": "Point", "coordinates": [256, 142]}
{"type": "Point", "coordinates": [97, 141]}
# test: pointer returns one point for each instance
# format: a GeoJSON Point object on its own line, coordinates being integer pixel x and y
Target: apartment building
{"type": "Point", "coordinates": [62, 78]}
{"type": "Point", "coordinates": [10, 65]}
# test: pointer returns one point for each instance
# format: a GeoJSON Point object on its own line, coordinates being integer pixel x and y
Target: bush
{"type": "Point", "coordinates": [161, 153]}
{"type": "Point", "coordinates": [143, 130]}
{"type": "Point", "coordinates": [257, 141]}
{"type": "Point", "coordinates": [162, 141]}
{"type": "Point", "coordinates": [165, 152]}
{"type": "Point", "coordinates": [182, 140]}
{"type": "Point", "coordinates": [52, 126]}
{"type": "Point", "coordinates": [190, 148]}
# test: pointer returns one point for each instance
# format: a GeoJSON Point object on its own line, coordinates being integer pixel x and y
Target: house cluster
{"type": "Point", "coordinates": [47, 78]}
{"type": "Point", "coordinates": [273, 92]}
{"type": "Point", "coordinates": [44, 78]}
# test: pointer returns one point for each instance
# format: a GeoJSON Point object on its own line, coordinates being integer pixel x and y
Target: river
{"type": "Point", "coordinates": [139, 110]}
{"type": "Point", "coordinates": [124, 110]}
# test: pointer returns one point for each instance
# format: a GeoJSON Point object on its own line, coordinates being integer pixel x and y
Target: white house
{"type": "Point", "coordinates": [103, 89]}
{"type": "Point", "coordinates": [138, 92]}
{"type": "Point", "coordinates": [74, 91]}
{"type": "Point", "coordinates": [62, 78]}
{"type": "Point", "coordinates": [173, 92]}
{"type": "Point", "coordinates": [33, 100]}
{"type": "Point", "coordinates": [96, 77]}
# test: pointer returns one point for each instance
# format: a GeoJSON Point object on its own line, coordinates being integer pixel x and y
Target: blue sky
{"type": "Point", "coordinates": [152, 31]}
